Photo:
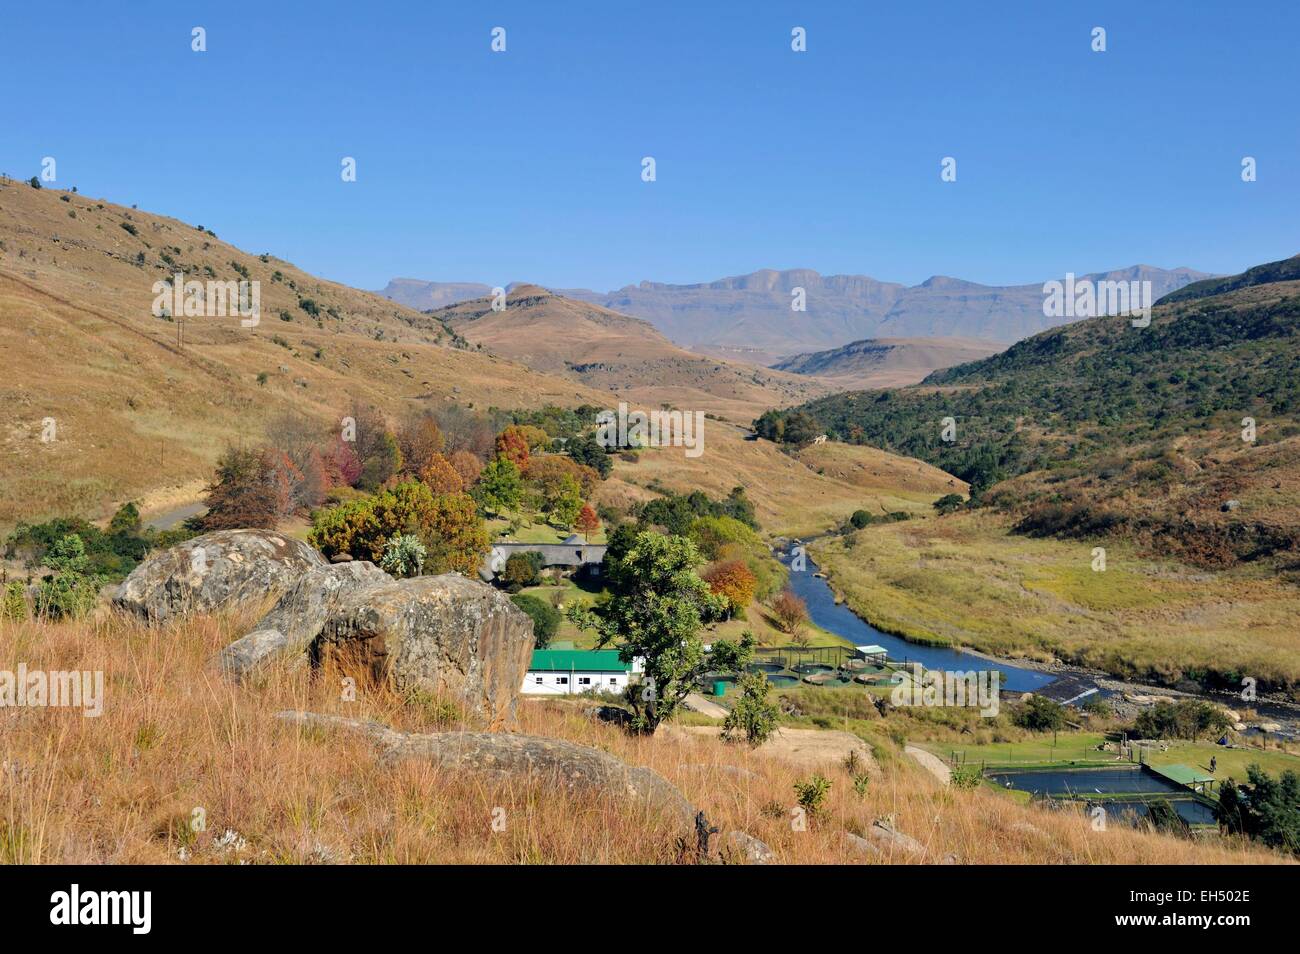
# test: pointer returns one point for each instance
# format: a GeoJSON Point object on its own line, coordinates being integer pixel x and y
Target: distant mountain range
{"type": "Point", "coordinates": [886, 362]}
{"type": "Point", "coordinates": [749, 317]}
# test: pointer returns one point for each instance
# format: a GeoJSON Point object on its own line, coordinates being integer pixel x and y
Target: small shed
{"type": "Point", "coordinates": [876, 655]}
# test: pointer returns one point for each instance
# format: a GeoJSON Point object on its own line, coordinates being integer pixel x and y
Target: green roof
{"type": "Point", "coordinates": [1182, 774]}
{"type": "Point", "coordinates": [577, 660]}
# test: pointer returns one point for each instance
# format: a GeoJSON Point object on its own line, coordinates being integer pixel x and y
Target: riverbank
{"type": "Point", "coordinates": [967, 581]}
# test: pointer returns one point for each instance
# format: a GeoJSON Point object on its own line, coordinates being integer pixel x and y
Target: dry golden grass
{"type": "Point", "coordinates": [174, 736]}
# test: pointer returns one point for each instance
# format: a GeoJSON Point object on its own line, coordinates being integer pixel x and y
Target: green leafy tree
{"type": "Point", "coordinates": [948, 503]}
{"type": "Point", "coordinates": [546, 618]}
{"type": "Point", "coordinates": [522, 569]}
{"type": "Point", "coordinates": [659, 608]}
{"type": "Point", "coordinates": [563, 501]}
{"type": "Point", "coordinates": [71, 590]}
{"type": "Point", "coordinates": [753, 714]}
{"type": "Point", "coordinates": [499, 486]}
{"type": "Point", "coordinates": [1266, 810]}
{"type": "Point", "coordinates": [125, 520]}
{"type": "Point", "coordinates": [1040, 714]}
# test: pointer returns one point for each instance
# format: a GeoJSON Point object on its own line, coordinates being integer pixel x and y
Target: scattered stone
{"type": "Point", "coordinates": [860, 845]}
{"type": "Point", "coordinates": [1230, 505]}
{"type": "Point", "coordinates": [446, 635]}
{"type": "Point", "coordinates": [300, 615]}
{"type": "Point", "coordinates": [885, 835]}
{"type": "Point", "coordinates": [743, 848]}
{"type": "Point", "coordinates": [227, 570]}
{"type": "Point", "coordinates": [1026, 827]}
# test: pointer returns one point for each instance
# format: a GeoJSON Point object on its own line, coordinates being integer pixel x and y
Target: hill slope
{"type": "Point", "coordinates": [885, 362]}
{"type": "Point", "coordinates": [136, 411]}
{"type": "Point", "coordinates": [607, 350]}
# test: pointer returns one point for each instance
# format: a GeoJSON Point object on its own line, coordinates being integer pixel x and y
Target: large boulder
{"type": "Point", "coordinates": [446, 634]}
{"type": "Point", "coordinates": [297, 619]}
{"type": "Point", "coordinates": [228, 569]}
{"type": "Point", "coordinates": [570, 767]}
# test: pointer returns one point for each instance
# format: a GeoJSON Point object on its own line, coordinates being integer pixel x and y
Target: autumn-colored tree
{"type": "Point", "coordinates": [537, 438]}
{"type": "Point", "coordinates": [382, 464]}
{"type": "Point", "coordinates": [734, 582]}
{"type": "Point", "coordinates": [562, 501]}
{"type": "Point", "coordinates": [342, 465]}
{"type": "Point", "coordinates": [440, 477]}
{"type": "Point", "coordinates": [587, 522]}
{"type": "Point", "coordinates": [448, 525]}
{"type": "Point", "coordinates": [549, 468]}
{"type": "Point", "coordinates": [419, 439]}
{"type": "Point", "coordinates": [512, 444]}
{"type": "Point", "coordinates": [240, 495]}
{"type": "Point", "coordinates": [790, 611]}
{"type": "Point", "coordinates": [467, 465]}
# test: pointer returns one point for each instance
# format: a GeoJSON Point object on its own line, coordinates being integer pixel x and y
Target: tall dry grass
{"type": "Point", "coordinates": [175, 736]}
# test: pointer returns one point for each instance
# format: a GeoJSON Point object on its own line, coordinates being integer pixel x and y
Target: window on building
{"type": "Point", "coordinates": [537, 680]}
{"type": "Point", "coordinates": [563, 680]}
{"type": "Point", "coordinates": [613, 680]}
{"type": "Point", "coordinates": [584, 680]}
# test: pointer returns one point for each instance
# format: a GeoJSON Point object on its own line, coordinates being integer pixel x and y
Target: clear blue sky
{"type": "Point", "coordinates": [525, 165]}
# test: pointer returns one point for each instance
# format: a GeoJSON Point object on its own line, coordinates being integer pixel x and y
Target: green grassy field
{"type": "Point", "coordinates": [536, 530]}
{"type": "Point", "coordinates": [965, 580]}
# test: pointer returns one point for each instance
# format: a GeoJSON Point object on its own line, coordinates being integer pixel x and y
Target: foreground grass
{"type": "Point", "coordinates": [175, 737]}
{"type": "Point", "coordinates": [964, 580]}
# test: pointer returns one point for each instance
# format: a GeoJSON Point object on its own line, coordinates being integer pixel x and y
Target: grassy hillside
{"type": "Point", "coordinates": [885, 362]}
{"type": "Point", "coordinates": [1287, 270]}
{"type": "Point", "coordinates": [614, 352]}
{"type": "Point", "coordinates": [175, 737]}
{"type": "Point", "coordinates": [1102, 428]}
{"type": "Point", "coordinates": [138, 414]}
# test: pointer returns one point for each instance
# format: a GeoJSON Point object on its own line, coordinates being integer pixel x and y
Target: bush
{"type": "Point", "coordinates": [522, 569]}
{"type": "Point", "coordinates": [752, 714]}
{"type": "Point", "coordinates": [1186, 719]}
{"type": "Point", "coordinates": [546, 619]}
{"type": "Point", "coordinates": [404, 556]}
{"type": "Point", "coordinates": [1040, 714]}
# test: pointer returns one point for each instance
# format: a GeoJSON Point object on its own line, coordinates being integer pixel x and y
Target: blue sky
{"type": "Point", "coordinates": [526, 165]}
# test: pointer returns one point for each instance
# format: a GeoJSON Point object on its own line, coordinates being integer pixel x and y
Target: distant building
{"type": "Point", "coordinates": [572, 552]}
{"type": "Point", "coordinates": [562, 672]}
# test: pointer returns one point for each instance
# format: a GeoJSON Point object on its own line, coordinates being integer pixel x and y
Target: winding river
{"type": "Point", "coordinates": [840, 620]}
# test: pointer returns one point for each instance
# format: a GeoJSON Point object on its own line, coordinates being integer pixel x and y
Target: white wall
{"type": "Point", "coordinates": [566, 683]}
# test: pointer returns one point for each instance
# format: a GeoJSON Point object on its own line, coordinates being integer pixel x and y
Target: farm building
{"type": "Point", "coordinates": [561, 672]}
{"type": "Point", "coordinates": [572, 552]}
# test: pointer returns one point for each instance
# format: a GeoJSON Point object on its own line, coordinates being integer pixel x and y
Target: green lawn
{"type": "Point", "coordinates": [535, 529]}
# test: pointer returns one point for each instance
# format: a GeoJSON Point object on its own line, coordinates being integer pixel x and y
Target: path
{"type": "Point", "coordinates": [930, 762]}
{"type": "Point", "coordinates": [697, 703]}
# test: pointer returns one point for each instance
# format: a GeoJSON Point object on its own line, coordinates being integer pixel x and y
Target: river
{"type": "Point", "coordinates": [843, 622]}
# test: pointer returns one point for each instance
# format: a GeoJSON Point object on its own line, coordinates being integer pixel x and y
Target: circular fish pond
{"type": "Point", "coordinates": [826, 679]}
{"type": "Point", "coordinates": [813, 669]}
{"type": "Point", "coordinates": [767, 667]}
{"type": "Point", "coordinates": [782, 682]}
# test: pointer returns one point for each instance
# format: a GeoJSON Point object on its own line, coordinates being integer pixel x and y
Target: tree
{"type": "Point", "coordinates": [563, 501]}
{"type": "Point", "coordinates": [382, 463]}
{"type": "Point", "coordinates": [549, 468]}
{"type": "Point", "coordinates": [467, 465]}
{"type": "Point", "coordinates": [791, 612]}
{"type": "Point", "coordinates": [585, 449]}
{"type": "Point", "coordinates": [241, 493]}
{"type": "Point", "coordinates": [419, 440]}
{"type": "Point", "coordinates": [522, 569]}
{"type": "Point", "coordinates": [441, 477]}
{"type": "Point", "coordinates": [447, 525]}
{"type": "Point", "coordinates": [948, 503]}
{"type": "Point", "coordinates": [404, 556]}
{"type": "Point", "coordinates": [512, 444]}
{"type": "Point", "coordinates": [587, 522]}
{"type": "Point", "coordinates": [499, 486]}
{"type": "Point", "coordinates": [1267, 809]}
{"type": "Point", "coordinates": [125, 520]}
{"type": "Point", "coordinates": [752, 714]}
{"type": "Point", "coordinates": [1185, 719]}
{"type": "Point", "coordinates": [734, 582]}
{"type": "Point", "coordinates": [660, 607]}
{"type": "Point", "coordinates": [71, 590]}
{"type": "Point", "coordinates": [546, 619]}
{"type": "Point", "coordinates": [1040, 714]}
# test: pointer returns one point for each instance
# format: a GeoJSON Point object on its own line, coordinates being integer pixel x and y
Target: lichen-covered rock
{"type": "Point", "coordinates": [740, 847]}
{"type": "Point", "coordinates": [567, 765]}
{"type": "Point", "coordinates": [225, 570]}
{"type": "Point", "coordinates": [446, 635]}
{"type": "Point", "coordinates": [298, 618]}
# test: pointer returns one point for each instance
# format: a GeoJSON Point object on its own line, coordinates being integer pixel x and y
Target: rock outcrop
{"type": "Point", "coordinates": [573, 767]}
{"type": "Point", "coordinates": [740, 847]}
{"type": "Point", "coordinates": [300, 615]}
{"type": "Point", "coordinates": [225, 570]}
{"type": "Point", "coordinates": [447, 635]}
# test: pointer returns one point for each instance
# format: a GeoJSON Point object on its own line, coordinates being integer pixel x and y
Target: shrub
{"type": "Point", "coordinates": [811, 794]}
{"type": "Point", "coordinates": [752, 714]}
{"type": "Point", "coordinates": [522, 569]}
{"type": "Point", "coordinates": [404, 556]}
{"type": "Point", "coordinates": [1040, 714]}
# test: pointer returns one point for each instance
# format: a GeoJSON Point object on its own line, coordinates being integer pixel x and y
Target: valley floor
{"type": "Point", "coordinates": [964, 580]}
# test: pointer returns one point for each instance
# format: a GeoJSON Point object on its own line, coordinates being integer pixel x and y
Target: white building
{"type": "Point", "coordinates": [562, 672]}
